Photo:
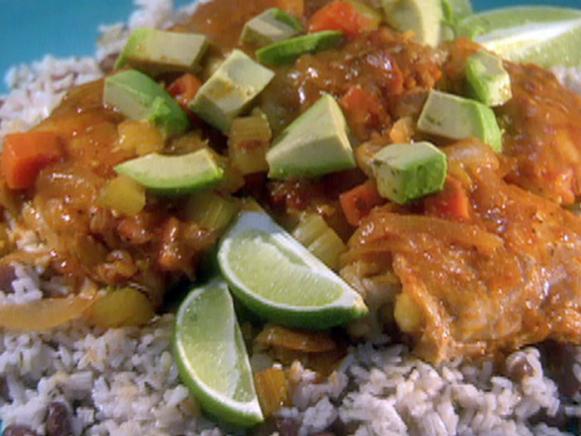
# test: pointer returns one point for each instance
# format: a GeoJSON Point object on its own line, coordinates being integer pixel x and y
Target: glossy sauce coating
{"type": "Point", "coordinates": [507, 276]}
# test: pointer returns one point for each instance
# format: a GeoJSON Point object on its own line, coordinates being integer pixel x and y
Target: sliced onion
{"type": "Point", "coordinates": [295, 340]}
{"type": "Point", "coordinates": [43, 314]}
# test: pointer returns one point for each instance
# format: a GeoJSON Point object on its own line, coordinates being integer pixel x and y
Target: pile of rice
{"type": "Point", "coordinates": [125, 382]}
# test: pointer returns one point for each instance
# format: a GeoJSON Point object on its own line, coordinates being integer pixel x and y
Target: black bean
{"type": "Point", "coordinates": [559, 360]}
{"type": "Point", "coordinates": [339, 427]}
{"type": "Point", "coordinates": [559, 420]}
{"type": "Point", "coordinates": [267, 428]}
{"type": "Point", "coordinates": [519, 369]}
{"type": "Point", "coordinates": [19, 430]}
{"type": "Point", "coordinates": [287, 426]}
{"type": "Point", "coordinates": [58, 420]}
{"type": "Point", "coordinates": [4, 392]}
{"type": "Point", "coordinates": [7, 276]}
{"type": "Point", "coordinates": [107, 64]}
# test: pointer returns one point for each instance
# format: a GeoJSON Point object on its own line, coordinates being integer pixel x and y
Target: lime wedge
{"type": "Point", "coordinates": [460, 8]}
{"type": "Point", "coordinates": [279, 279]}
{"type": "Point", "coordinates": [548, 36]}
{"type": "Point", "coordinates": [211, 357]}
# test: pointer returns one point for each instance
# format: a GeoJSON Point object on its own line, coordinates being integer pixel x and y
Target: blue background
{"type": "Point", "coordinates": [31, 28]}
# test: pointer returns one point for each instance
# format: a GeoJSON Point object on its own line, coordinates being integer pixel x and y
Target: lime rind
{"type": "Point", "coordinates": [505, 18]}
{"type": "Point", "coordinates": [347, 306]}
{"type": "Point", "coordinates": [243, 411]}
{"type": "Point", "coordinates": [537, 42]}
{"type": "Point", "coordinates": [544, 35]}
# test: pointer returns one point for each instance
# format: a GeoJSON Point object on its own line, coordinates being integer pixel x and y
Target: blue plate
{"type": "Point", "coordinates": [31, 28]}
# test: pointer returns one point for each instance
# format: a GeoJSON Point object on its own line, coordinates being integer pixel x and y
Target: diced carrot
{"type": "Point", "coordinates": [358, 202]}
{"type": "Point", "coordinates": [452, 203]}
{"type": "Point", "coordinates": [25, 154]}
{"type": "Point", "coordinates": [364, 110]}
{"type": "Point", "coordinates": [342, 16]}
{"type": "Point", "coordinates": [184, 88]}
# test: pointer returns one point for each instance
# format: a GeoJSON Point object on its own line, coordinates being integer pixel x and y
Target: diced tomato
{"type": "Point", "coordinates": [364, 110]}
{"type": "Point", "coordinates": [25, 154]}
{"type": "Point", "coordinates": [359, 201]}
{"type": "Point", "coordinates": [342, 16]}
{"type": "Point", "coordinates": [452, 203]}
{"type": "Point", "coordinates": [184, 88]}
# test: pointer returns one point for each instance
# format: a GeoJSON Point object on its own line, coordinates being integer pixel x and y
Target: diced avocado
{"type": "Point", "coordinates": [139, 97]}
{"type": "Point", "coordinates": [314, 144]}
{"type": "Point", "coordinates": [284, 52]}
{"type": "Point", "coordinates": [230, 90]}
{"type": "Point", "coordinates": [174, 175]}
{"type": "Point", "coordinates": [155, 50]}
{"type": "Point", "coordinates": [271, 26]}
{"type": "Point", "coordinates": [406, 172]}
{"type": "Point", "coordinates": [455, 117]}
{"type": "Point", "coordinates": [423, 17]}
{"type": "Point", "coordinates": [489, 82]}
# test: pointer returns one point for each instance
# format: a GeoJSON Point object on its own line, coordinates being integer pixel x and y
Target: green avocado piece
{"type": "Point", "coordinates": [158, 51]}
{"type": "Point", "coordinates": [455, 117]}
{"type": "Point", "coordinates": [271, 26]}
{"type": "Point", "coordinates": [489, 82]}
{"type": "Point", "coordinates": [406, 172]}
{"type": "Point", "coordinates": [284, 52]}
{"type": "Point", "coordinates": [174, 175]}
{"type": "Point", "coordinates": [423, 17]}
{"type": "Point", "coordinates": [139, 97]}
{"type": "Point", "coordinates": [314, 144]}
{"type": "Point", "coordinates": [229, 91]}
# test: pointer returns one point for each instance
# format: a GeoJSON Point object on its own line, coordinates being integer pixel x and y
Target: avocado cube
{"type": "Point", "coordinates": [406, 172]}
{"type": "Point", "coordinates": [284, 52]}
{"type": "Point", "coordinates": [272, 25]}
{"type": "Point", "coordinates": [422, 17]}
{"type": "Point", "coordinates": [158, 51]}
{"type": "Point", "coordinates": [139, 97]}
{"type": "Point", "coordinates": [230, 90]}
{"type": "Point", "coordinates": [453, 117]}
{"type": "Point", "coordinates": [487, 78]}
{"type": "Point", "coordinates": [174, 175]}
{"type": "Point", "coordinates": [314, 144]}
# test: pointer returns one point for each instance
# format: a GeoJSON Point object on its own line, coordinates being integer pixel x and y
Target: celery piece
{"type": "Point", "coordinates": [211, 210]}
{"type": "Point", "coordinates": [320, 239]}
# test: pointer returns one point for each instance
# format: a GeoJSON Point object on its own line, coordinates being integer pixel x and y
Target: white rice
{"type": "Point", "coordinates": [124, 381]}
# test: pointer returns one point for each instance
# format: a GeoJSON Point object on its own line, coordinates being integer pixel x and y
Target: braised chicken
{"type": "Point", "coordinates": [508, 276]}
{"type": "Point", "coordinates": [542, 133]}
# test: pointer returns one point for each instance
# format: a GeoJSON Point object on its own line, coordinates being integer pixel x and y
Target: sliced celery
{"type": "Point", "coordinates": [320, 239]}
{"type": "Point", "coordinates": [211, 210]}
{"type": "Point", "coordinates": [328, 248]}
{"type": "Point", "coordinates": [310, 227]}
